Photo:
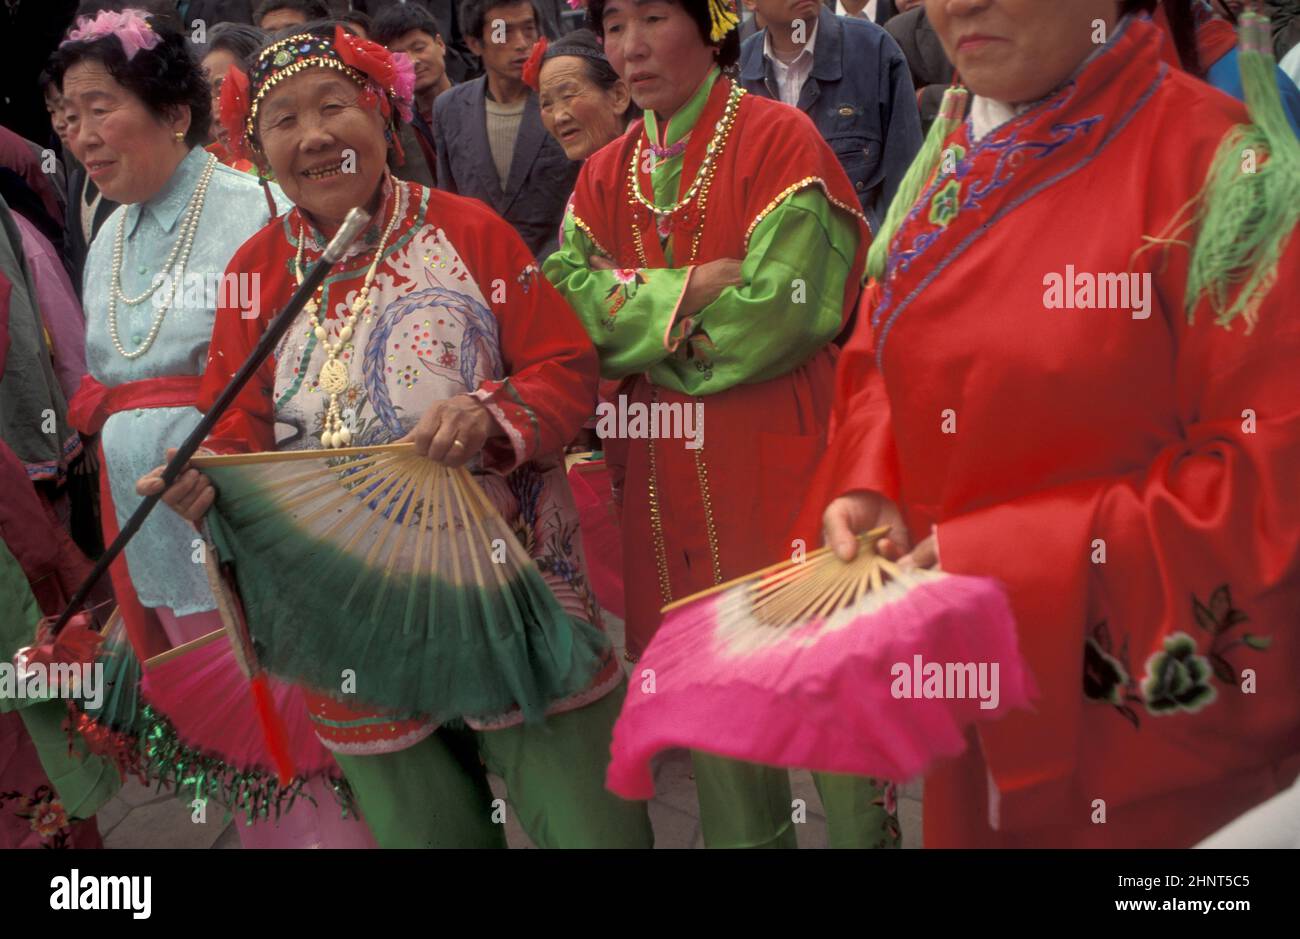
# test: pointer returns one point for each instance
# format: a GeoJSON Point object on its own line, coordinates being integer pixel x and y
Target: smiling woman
{"type": "Point", "coordinates": [138, 110]}
{"type": "Point", "coordinates": [435, 327]}
{"type": "Point", "coordinates": [584, 103]}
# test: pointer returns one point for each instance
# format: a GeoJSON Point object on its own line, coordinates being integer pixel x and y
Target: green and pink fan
{"type": "Point", "coordinates": [860, 668]}
{"type": "Point", "coordinates": [381, 578]}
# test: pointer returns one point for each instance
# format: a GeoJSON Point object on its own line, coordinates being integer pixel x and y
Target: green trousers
{"type": "Point", "coordinates": [436, 795]}
{"type": "Point", "coordinates": [743, 805]}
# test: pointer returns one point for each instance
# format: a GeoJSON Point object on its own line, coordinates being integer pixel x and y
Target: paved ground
{"type": "Point", "coordinates": [140, 818]}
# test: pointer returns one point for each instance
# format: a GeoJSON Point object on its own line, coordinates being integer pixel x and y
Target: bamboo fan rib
{"type": "Point", "coordinates": [799, 664]}
{"type": "Point", "coordinates": [381, 562]}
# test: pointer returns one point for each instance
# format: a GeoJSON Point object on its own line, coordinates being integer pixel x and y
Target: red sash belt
{"type": "Point", "coordinates": [91, 406]}
{"type": "Point", "coordinates": [94, 403]}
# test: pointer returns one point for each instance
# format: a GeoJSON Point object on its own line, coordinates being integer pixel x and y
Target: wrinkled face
{"type": "Point", "coordinates": [324, 142]}
{"type": "Point", "coordinates": [427, 52]}
{"type": "Point", "coordinates": [282, 19]}
{"type": "Point", "coordinates": [128, 151]}
{"type": "Point", "coordinates": [58, 115]}
{"type": "Point", "coordinates": [576, 111]}
{"type": "Point", "coordinates": [1016, 51]}
{"type": "Point", "coordinates": [215, 65]}
{"type": "Point", "coordinates": [656, 48]}
{"type": "Point", "coordinates": [509, 31]}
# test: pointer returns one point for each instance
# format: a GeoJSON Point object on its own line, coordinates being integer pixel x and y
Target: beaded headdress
{"type": "Point", "coordinates": [389, 78]}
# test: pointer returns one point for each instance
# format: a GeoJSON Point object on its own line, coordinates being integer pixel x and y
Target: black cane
{"type": "Point", "coordinates": [352, 225]}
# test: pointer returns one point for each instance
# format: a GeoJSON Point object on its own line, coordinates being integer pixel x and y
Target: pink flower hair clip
{"type": "Point", "coordinates": [129, 26]}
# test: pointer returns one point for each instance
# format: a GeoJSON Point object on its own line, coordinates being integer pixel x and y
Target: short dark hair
{"type": "Point", "coordinates": [47, 83]}
{"type": "Point", "coordinates": [163, 77]}
{"type": "Point", "coordinates": [473, 15]}
{"type": "Point", "coordinates": [357, 18]}
{"type": "Point", "coordinates": [240, 40]}
{"type": "Point", "coordinates": [312, 9]}
{"type": "Point", "coordinates": [399, 19]}
{"type": "Point", "coordinates": [728, 48]}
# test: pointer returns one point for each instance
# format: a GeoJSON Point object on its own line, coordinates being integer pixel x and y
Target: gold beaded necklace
{"type": "Point", "coordinates": [699, 188]}
{"type": "Point", "coordinates": [333, 376]}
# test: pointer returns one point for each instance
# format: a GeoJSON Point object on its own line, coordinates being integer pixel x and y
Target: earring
{"type": "Point", "coordinates": [180, 136]}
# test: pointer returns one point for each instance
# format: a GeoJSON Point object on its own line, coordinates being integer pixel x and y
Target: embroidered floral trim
{"type": "Point", "coordinates": [44, 812]}
{"type": "Point", "coordinates": [1176, 677]}
{"type": "Point", "coordinates": [626, 282]}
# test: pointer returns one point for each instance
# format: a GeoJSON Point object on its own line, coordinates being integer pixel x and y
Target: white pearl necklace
{"type": "Point", "coordinates": [333, 377]}
{"type": "Point", "coordinates": [173, 266]}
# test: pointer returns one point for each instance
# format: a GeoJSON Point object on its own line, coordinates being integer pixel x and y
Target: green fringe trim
{"type": "Point", "coordinates": [151, 751]}
{"type": "Point", "coordinates": [1249, 206]}
{"type": "Point", "coordinates": [916, 178]}
{"type": "Point", "coordinates": [198, 774]}
{"type": "Point", "coordinates": [141, 742]}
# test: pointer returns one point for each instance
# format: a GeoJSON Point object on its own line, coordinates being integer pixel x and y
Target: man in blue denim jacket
{"type": "Point", "coordinates": [850, 77]}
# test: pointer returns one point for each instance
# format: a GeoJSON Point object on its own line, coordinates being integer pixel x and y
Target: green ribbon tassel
{"type": "Point", "coordinates": [1248, 208]}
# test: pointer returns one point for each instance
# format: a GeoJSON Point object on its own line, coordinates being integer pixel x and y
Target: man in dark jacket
{"type": "Point", "coordinates": [851, 79]}
{"type": "Point", "coordinates": [931, 70]}
{"type": "Point", "coordinates": [491, 142]}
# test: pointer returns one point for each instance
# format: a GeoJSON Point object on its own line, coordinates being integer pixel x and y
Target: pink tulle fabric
{"type": "Point", "coordinates": [129, 26]}
{"type": "Point", "coordinates": [818, 700]}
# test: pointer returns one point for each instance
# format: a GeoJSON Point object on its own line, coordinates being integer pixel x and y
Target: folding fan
{"type": "Point", "coordinates": [380, 577]}
{"type": "Point", "coordinates": [202, 690]}
{"type": "Point", "coordinates": [823, 665]}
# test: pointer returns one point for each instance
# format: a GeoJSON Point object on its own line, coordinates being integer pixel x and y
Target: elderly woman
{"type": "Point", "coordinates": [1049, 398]}
{"type": "Point", "coordinates": [713, 253]}
{"type": "Point", "coordinates": [584, 103]}
{"type": "Point", "coordinates": [227, 44]}
{"type": "Point", "coordinates": [446, 270]}
{"type": "Point", "coordinates": [138, 111]}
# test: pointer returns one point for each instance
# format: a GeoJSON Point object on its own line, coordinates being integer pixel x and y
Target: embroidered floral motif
{"type": "Point", "coordinates": [698, 349]}
{"type": "Point", "coordinates": [1107, 675]}
{"type": "Point", "coordinates": [890, 833]}
{"type": "Point", "coordinates": [944, 205]}
{"type": "Point", "coordinates": [528, 276]}
{"type": "Point", "coordinates": [626, 282]}
{"type": "Point", "coordinates": [1218, 617]}
{"type": "Point", "coordinates": [1175, 677]}
{"type": "Point", "coordinates": [45, 813]}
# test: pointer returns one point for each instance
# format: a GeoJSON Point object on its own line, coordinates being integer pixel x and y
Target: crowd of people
{"type": "Point", "coordinates": [834, 227]}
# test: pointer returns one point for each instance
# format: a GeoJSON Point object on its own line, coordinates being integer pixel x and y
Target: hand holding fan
{"type": "Point", "coordinates": [380, 577]}
{"type": "Point", "coordinates": [813, 665]}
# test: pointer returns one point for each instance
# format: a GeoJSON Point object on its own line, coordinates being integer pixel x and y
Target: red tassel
{"type": "Point", "coordinates": [273, 729]}
{"type": "Point", "coordinates": [76, 644]}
